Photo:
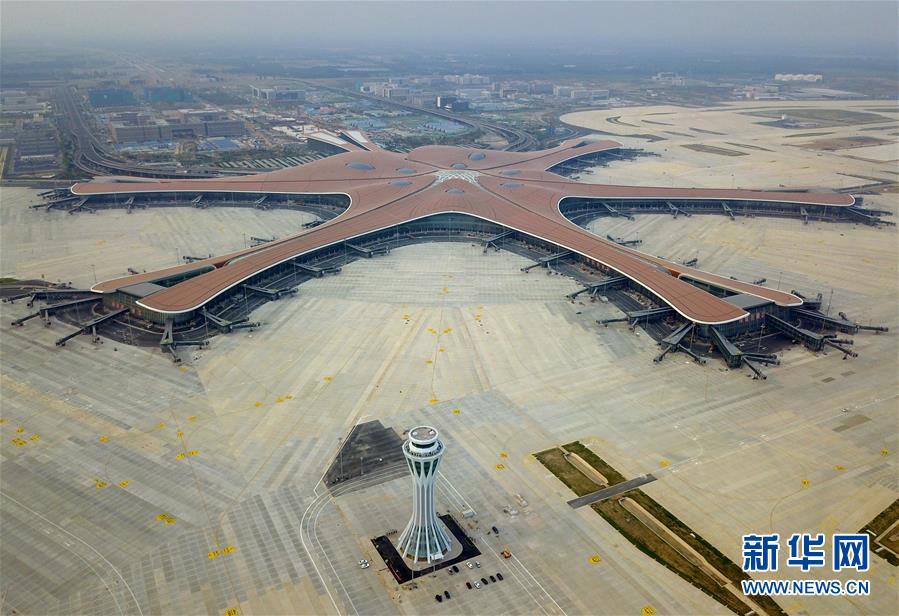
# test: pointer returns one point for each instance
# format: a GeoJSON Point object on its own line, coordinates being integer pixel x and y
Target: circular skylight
{"type": "Point", "coordinates": [406, 170]}
{"type": "Point", "coordinates": [361, 166]}
{"type": "Point", "coordinates": [455, 191]}
{"type": "Point", "coordinates": [511, 172]}
{"type": "Point", "coordinates": [512, 184]}
{"type": "Point", "coordinates": [458, 165]}
{"type": "Point", "coordinates": [477, 156]}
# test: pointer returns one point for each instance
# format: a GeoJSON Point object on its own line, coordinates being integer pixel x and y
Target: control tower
{"type": "Point", "coordinates": [424, 538]}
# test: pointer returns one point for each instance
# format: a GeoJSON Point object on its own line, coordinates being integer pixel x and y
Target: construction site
{"type": "Point", "coordinates": [720, 336]}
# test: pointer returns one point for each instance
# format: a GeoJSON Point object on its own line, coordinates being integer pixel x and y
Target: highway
{"type": "Point", "coordinates": [90, 156]}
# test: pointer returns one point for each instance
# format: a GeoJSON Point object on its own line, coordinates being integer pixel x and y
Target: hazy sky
{"type": "Point", "coordinates": [817, 27]}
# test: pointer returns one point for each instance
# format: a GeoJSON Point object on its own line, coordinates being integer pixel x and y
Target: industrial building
{"type": "Point", "coordinates": [278, 94]}
{"type": "Point", "coordinates": [167, 94]}
{"type": "Point", "coordinates": [135, 127]}
{"type": "Point", "coordinates": [111, 97]}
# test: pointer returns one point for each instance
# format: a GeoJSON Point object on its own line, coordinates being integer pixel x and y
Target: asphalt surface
{"type": "Point", "coordinates": [611, 491]}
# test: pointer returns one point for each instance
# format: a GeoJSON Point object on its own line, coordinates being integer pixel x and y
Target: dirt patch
{"type": "Point", "coordinates": [751, 147]}
{"type": "Point", "coordinates": [841, 143]}
{"type": "Point", "coordinates": [823, 117]}
{"type": "Point", "coordinates": [711, 149]}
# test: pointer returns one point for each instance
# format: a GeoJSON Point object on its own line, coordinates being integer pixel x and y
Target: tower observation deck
{"type": "Point", "coordinates": [424, 538]}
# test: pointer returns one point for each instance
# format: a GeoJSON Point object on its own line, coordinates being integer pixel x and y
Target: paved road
{"type": "Point", "coordinates": [615, 490]}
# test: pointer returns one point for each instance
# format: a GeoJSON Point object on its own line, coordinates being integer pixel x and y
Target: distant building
{"type": "Point", "coordinates": [473, 94]}
{"type": "Point", "coordinates": [111, 97]}
{"type": "Point", "coordinates": [809, 78]}
{"type": "Point", "coordinates": [166, 94]}
{"type": "Point", "coordinates": [20, 102]}
{"type": "Point", "coordinates": [468, 79]}
{"type": "Point", "coordinates": [589, 94]}
{"type": "Point", "coordinates": [278, 94]}
{"type": "Point", "coordinates": [445, 100]}
{"type": "Point", "coordinates": [669, 79]}
{"type": "Point", "coordinates": [541, 88]}
{"type": "Point", "coordinates": [562, 91]}
{"type": "Point", "coordinates": [182, 124]}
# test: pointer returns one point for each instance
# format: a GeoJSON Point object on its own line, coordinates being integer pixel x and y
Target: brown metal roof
{"type": "Point", "coordinates": [447, 179]}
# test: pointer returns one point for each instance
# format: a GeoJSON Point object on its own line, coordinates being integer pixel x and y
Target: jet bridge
{"type": "Point", "coordinates": [545, 261]}
{"type": "Point", "coordinates": [676, 210]}
{"type": "Point", "coordinates": [594, 287]}
{"type": "Point", "coordinates": [91, 326]}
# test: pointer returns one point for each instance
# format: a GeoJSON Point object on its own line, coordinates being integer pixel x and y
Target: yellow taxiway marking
{"type": "Point", "coordinates": [448, 330]}
{"type": "Point", "coordinates": [160, 425]}
{"type": "Point", "coordinates": [806, 483]}
{"type": "Point", "coordinates": [441, 350]}
{"type": "Point", "coordinates": [429, 361]}
{"type": "Point", "coordinates": [500, 467]}
{"type": "Point", "coordinates": [124, 484]}
{"type": "Point", "coordinates": [258, 404]}
{"type": "Point", "coordinates": [456, 411]}
{"type": "Point", "coordinates": [664, 463]}
{"type": "Point", "coordinates": [192, 418]}
{"type": "Point", "coordinates": [503, 454]}
{"type": "Point", "coordinates": [19, 430]}
{"type": "Point", "coordinates": [648, 610]}
{"type": "Point", "coordinates": [100, 484]}
{"type": "Point", "coordinates": [35, 437]}
{"type": "Point", "coordinates": [433, 401]}
{"type": "Point", "coordinates": [839, 467]}
{"type": "Point", "coordinates": [18, 442]}
{"type": "Point", "coordinates": [884, 452]}
{"type": "Point", "coordinates": [192, 452]}
{"type": "Point", "coordinates": [231, 611]}
{"type": "Point", "coordinates": [104, 439]}
{"type": "Point", "coordinates": [216, 553]}
{"type": "Point", "coordinates": [329, 378]}
{"type": "Point", "coordinates": [2, 421]}
{"type": "Point", "coordinates": [595, 559]}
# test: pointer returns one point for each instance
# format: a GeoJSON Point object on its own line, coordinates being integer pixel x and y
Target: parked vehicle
{"type": "Point", "coordinates": [495, 530]}
{"type": "Point", "coordinates": [484, 581]}
{"type": "Point", "coordinates": [438, 598]}
{"type": "Point", "coordinates": [446, 594]}
{"type": "Point", "coordinates": [468, 584]}
{"type": "Point", "coordinates": [499, 576]}
{"type": "Point", "coordinates": [493, 579]}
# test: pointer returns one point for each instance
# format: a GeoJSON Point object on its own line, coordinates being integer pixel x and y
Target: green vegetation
{"type": "Point", "coordinates": [878, 525]}
{"type": "Point", "coordinates": [644, 538]}
{"type": "Point", "coordinates": [596, 462]}
{"type": "Point", "coordinates": [554, 460]}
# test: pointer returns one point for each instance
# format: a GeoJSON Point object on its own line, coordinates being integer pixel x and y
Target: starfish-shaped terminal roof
{"type": "Point", "coordinates": [512, 189]}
